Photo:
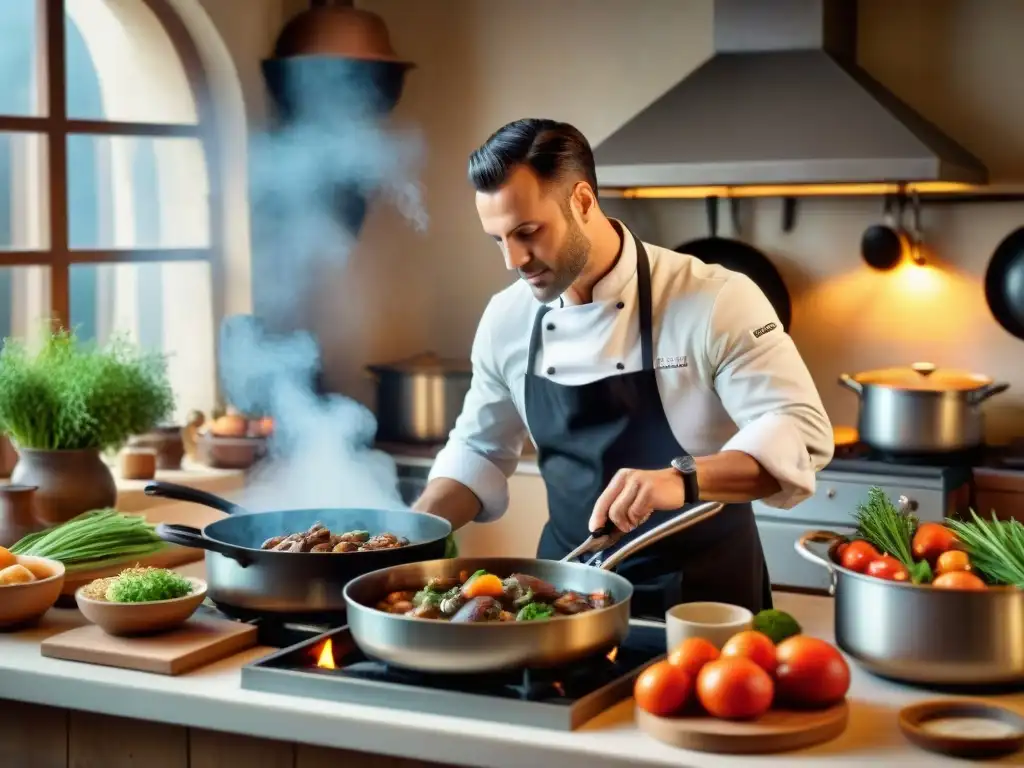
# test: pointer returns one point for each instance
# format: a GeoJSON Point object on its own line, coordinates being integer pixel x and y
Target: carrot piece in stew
{"type": "Point", "coordinates": [485, 585]}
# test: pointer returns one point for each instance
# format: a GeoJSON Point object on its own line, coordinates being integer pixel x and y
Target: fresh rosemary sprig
{"type": "Point", "coordinates": [996, 547]}
{"type": "Point", "coordinates": [886, 527]}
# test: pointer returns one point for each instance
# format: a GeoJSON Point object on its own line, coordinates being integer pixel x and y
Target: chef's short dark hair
{"type": "Point", "coordinates": [555, 151]}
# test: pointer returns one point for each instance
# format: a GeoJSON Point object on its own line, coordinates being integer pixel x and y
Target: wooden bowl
{"type": "Point", "coordinates": [141, 618]}
{"type": "Point", "coordinates": [21, 604]}
{"type": "Point", "coordinates": [962, 728]}
{"type": "Point", "coordinates": [229, 452]}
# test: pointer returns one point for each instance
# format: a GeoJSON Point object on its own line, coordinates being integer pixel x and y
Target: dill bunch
{"type": "Point", "coordinates": [890, 530]}
{"type": "Point", "coordinates": [69, 395]}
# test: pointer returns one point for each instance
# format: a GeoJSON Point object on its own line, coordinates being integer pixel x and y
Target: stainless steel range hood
{"type": "Point", "coordinates": [782, 101]}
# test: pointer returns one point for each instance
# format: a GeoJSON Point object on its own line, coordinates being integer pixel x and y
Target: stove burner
{"type": "Point", "coordinates": [562, 698]}
{"type": "Point", "coordinates": [863, 452]}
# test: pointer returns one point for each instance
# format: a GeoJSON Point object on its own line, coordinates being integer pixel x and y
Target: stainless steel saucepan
{"type": "Point", "coordinates": [440, 646]}
{"type": "Point", "coordinates": [921, 408]}
{"type": "Point", "coordinates": [920, 634]}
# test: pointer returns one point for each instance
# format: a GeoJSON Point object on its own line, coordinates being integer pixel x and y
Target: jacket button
{"type": "Point", "coordinates": [621, 305]}
{"type": "Point", "coordinates": [551, 326]}
{"type": "Point", "coordinates": [620, 366]}
{"type": "Point", "coordinates": [551, 371]}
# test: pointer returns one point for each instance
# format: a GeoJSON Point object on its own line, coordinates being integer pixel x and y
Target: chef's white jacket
{"type": "Point", "coordinates": [729, 377]}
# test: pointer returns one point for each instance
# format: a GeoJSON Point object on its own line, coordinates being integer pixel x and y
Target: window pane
{"type": "Point", "coordinates": [23, 192]}
{"type": "Point", "coordinates": [122, 66]}
{"type": "Point", "coordinates": [137, 192]}
{"type": "Point", "coordinates": [165, 307]}
{"type": "Point", "coordinates": [24, 302]}
{"type": "Point", "coordinates": [19, 59]}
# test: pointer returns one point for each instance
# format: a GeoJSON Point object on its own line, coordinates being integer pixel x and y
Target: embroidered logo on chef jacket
{"type": "Point", "coordinates": [759, 332]}
{"type": "Point", "coordinates": [670, 362]}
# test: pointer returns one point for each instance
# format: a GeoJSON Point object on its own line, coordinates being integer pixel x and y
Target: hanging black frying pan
{"type": "Point", "coordinates": [1004, 283]}
{"type": "Point", "coordinates": [744, 258]}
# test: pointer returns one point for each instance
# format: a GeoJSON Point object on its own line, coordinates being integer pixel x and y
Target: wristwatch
{"type": "Point", "coordinates": [687, 469]}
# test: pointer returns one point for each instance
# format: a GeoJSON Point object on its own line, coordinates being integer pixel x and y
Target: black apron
{"type": "Point", "coordinates": [585, 434]}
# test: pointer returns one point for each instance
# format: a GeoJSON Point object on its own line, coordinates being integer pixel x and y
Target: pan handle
{"type": "Point", "coordinates": [819, 537]}
{"type": "Point", "coordinates": [194, 495]}
{"type": "Point", "coordinates": [678, 523]}
{"type": "Point", "coordinates": [846, 380]}
{"type": "Point", "coordinates": [187, 536]}
{"type": "Point", "coordinates": [979, 396]}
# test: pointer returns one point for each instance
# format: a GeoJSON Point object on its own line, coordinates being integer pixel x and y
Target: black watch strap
{"type": "Point", "coordinates": [687, 469]}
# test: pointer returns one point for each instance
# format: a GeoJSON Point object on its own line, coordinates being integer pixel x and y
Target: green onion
{"type": "Point", "coordinates": [995, 548]}
{"type": "Point", "coordinates": [93, 539]}
{"type": "Point", "coordinates": [887, 528]}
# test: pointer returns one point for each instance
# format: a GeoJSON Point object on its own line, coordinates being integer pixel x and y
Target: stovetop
{"type": "Point", "coordinates": [560, 699]}
{"type": "Point", "coordinates": [955, 468]}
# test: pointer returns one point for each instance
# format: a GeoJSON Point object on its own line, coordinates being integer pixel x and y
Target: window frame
{"type": "Point", "coordinates": [56, 126]}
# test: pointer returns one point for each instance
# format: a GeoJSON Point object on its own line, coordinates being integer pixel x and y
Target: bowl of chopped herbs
{"type": "Point", "coordinates": [140, 600]}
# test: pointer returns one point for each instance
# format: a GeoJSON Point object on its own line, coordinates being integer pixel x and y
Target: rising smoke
{"type": "Point", "coordinates": [311, 178]}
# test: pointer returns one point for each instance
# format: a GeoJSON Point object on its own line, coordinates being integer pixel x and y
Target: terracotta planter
{"type": "Point", "coordinates": [17, 514]}
{"type": "Point", "coordinates": [69, 482]}
{"type": "Point", "coordinates": [8, 456]}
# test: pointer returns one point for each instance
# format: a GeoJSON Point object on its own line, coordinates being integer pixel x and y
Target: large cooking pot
{"type": "Point", "coordinates": [419, 399]}
{"type": "Point", "coordinates": [245, 580]}
{"type": "Point", "coordinates": [920, 634]}
{"type": "Point", "coordinates": [921, 409]}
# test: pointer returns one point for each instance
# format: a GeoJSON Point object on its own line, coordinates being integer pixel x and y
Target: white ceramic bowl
{"type": "Point", "coordinates": [715, 622]}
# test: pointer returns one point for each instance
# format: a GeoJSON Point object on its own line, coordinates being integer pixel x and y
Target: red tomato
{"type": "Point", "coordinates": [931, 540]}
{"type": "Point", "coordinates": [735, 689]}
{"type": "Point", "coordinates": [692, 654]}
{"type": "Point", "coordinates": [751, 645]}
{"type": "Point", "coordinates": [888, 568]}
{"type": "Point", "coordinates": [662, 689]}
{"type": "Point", "coordinates": [858, 555]}
{"type": "Point", "coordinates": [810, 672]}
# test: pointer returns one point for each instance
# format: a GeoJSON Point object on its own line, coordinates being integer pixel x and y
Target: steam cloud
{"type": "Point", "coordinates": [309, 180]}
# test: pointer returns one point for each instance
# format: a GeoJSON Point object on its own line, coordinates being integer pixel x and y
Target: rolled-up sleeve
{"type": "Point", "coordinates": [768, 392]}
{"type": "Point", "coordinates": [483, 448]}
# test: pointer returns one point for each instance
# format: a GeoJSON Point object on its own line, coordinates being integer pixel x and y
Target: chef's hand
{"type": "Point", "coordinates": [633, 494]}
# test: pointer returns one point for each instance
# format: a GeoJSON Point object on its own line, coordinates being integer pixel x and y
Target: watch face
{"type": "Point", "coordinates": [684, 464]}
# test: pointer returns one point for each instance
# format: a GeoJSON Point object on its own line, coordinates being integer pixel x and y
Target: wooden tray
{"type": "Point", "coordinates": [778, 730]}
{"type": "Point", "coordinates": [171, 557]}
{"type": "Point", "coordinates": [199, 641]}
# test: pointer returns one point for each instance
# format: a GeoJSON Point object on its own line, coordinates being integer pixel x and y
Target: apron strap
{"type": "Point", "coordinates": [538, 323]}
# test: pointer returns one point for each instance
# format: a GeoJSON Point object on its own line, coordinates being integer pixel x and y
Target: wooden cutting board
{"type": "Point", "coordinates": [775, 731]}
{"type": "Point", "coordinates": [170, 557]}
{"type": "Point", "coordinates": [201, 640]}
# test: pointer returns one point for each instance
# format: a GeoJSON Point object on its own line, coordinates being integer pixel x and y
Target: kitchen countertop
{"type": "Point", "coordinates": [212, 698]}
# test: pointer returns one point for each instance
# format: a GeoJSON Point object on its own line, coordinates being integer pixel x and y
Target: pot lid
{"type": "Point", "coordinates": [338, 31]}
{"type": "Point", "coordinates": [425, 362]}
{"type": "Point", "coordinates": [924, 377]}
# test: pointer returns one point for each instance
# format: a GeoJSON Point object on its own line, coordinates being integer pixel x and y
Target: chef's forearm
{"type": "Point", "coordinates": [733, 477]}
{"type": "Point", "coordinates": [449, 499]}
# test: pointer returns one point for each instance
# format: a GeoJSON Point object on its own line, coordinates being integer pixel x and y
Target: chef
{"type": "Point", "coordinates": [647, 379]}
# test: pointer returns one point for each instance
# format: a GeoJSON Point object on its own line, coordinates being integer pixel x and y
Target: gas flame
{"type": "Point", "coordinates": [613, 654]}
{"type": "Point", "coordinates": [326, 658]}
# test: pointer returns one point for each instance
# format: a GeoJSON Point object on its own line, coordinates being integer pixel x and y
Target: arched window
{"type": "Point", "coordinates": [107, 215]}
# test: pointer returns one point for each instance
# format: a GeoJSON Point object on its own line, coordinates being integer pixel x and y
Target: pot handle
{"type": "Point", "coordinates": [193, 495]}
{"type": "Point", "coordinates": [671, 526]}
{"type": "Point", "coordinates": [989, 390]}
{"type": "Point", "coordinates": [187, 536]}
{"type": "Point", "coordinates": [819, 537]}
{"type": "Point", "coordinates": [846, 380]}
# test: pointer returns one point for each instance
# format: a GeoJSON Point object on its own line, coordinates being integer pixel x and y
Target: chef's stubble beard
{"type": "Point", "coordinates": [571, 260]}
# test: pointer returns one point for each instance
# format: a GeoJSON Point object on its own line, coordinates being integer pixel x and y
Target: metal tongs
{"type": "Point", "coordinates": [609, 534]}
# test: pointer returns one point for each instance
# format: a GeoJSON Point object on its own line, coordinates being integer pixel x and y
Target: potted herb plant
{"type": "Point", "coordinates": [66, 403]}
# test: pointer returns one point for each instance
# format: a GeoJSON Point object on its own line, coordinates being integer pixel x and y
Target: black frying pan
{"type": "Point", "coordinates": [244, 580]}
{"type": "Point", "coordinates": [744, 258]}
{"type": "Point", "coordinates": [1004, 283]}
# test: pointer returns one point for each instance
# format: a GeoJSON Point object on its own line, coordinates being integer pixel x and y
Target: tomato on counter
{"type": "Point", "coordinates": [931, 540]}
{"type": "Point", "coordinates": [810, 672]}
{"type": "Point", "coordinates": [692, 654]}
{"type": "Point", "coordinates": [735, 689]}
{"type": "Point", "coordinates": [756, 646]}
{"type": "Point", "coordinates": [858, 555]}
{"type": "Point", "coordinates": [888, 568]}
{"type": "Point", "coordinates": [662, 689]}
